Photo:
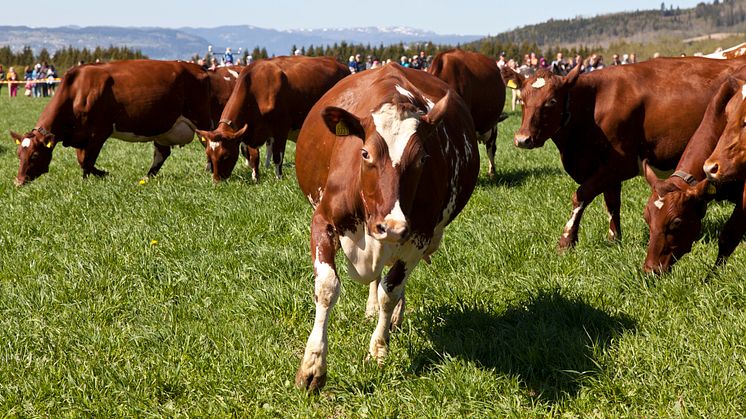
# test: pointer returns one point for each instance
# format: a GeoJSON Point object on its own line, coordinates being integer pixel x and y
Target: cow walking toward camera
{"type": "Point", "coordinates": [388, 157]}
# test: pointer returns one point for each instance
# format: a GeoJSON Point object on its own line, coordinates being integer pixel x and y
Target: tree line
{"type": "Point", "coordinates": [67, 57]}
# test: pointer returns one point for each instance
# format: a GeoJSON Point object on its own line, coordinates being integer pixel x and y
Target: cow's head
{"type": "Point", "coordinates": [674, 214]}
{"type": "Point", "coordinates": [545, 104]}
{"type": "Point", "coordinates": [393, 154]}
{"type": "Point", "coordinates": [221, 147]}
{"type": "Point", "coordinates": [728, 161]}
{"type": "Point", "coordinates": [34, 154]}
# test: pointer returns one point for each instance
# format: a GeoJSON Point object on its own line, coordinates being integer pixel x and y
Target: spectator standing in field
{"type": "Point", "coordinates": [404, 61]}
{"type": "Point", "coordinates": [228, 57]}
{"type": "Point", "coordinates": [2, 77]}
{"type": "Point", "coordinates": [352, 65]}
{"type": "Point", "coordinates": [359, 64]}
{"type": "Point", "coordinates": [51, 76]}
{"type": "Point", "coordinates": [633, 58]}
{"type": "Point", "coordinates": [516, 98]}
{"type": "Point", "coordinates": [28, 76]}
{"type": "Point", "coordinates": [424, 63]}
{"type": "Point", "coordinates": [369, 62]}
{"type": "Point", "coordinates": [615, 60]}
{"type": "Point", "coordinates": [501, 60]}
{"type": "Point", "coordinates": [415, 63]}
{"type": "Point", "coordinates": [12, 77]}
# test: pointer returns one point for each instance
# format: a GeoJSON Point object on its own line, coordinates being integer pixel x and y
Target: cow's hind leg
{"type": "Point", "coordinates": [371, 306]}
{"type": "Point", "coordinates": [278, 151]}
{"type": "Point", "coordinates": [268, 153]}
{"type": "Point", "coordinates": [613, 201]}
{"type": "Point", "coordinates": [160, 154]}
{"type": "Point", "coordinates": [311, 374]}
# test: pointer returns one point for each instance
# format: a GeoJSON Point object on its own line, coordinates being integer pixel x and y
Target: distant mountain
{"type": "Point", "coordinates": [185, 42]}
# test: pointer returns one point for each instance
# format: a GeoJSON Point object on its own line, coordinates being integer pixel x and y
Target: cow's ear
{"type": "Point", "coordinates": [572, 76]}
{"type": "Point", "coordinates": [342, 123]}
{"type": "Point", "coordinates": [650, 175]}
{"type": "Point", "coordinates": [49, 141]}
{"type": "Point", "coordinates": [438, 111]}
{"type": "Point", "coordinates": [512, 78]}
{"type": "Point", "coordinates": [202, 135]}
{"type": "Point", "coordinates": [16, 136]}
{"type": "Point", "coordinates": [703, 190]}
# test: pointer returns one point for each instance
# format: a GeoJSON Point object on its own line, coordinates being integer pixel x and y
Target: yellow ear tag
{"type": "Point", "coordinates": [49, 144]}
{"type": "Point", "coordinates": [711, 189]}
{"type": "Point", "coordinates": [18, 142]}
{"type": "Point", "coordinates": [341, 129]}
{"type": "Point", "coordinates": [512, 85]}
{"type": "Point", "coordinates": [203, 139]}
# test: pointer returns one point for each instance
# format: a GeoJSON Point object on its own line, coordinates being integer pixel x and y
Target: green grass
{"type": "Point", "coordinates": [212, 319]}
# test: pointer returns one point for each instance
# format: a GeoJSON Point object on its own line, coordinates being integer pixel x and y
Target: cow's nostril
{"type": "Point", "coordinates": [712, 168]}
{"type": "Point", "coordinates": [380, 228]}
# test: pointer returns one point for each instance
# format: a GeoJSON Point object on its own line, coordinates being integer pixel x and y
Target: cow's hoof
{"type": "Point", "coordinates": [378, 351]}
{"type": "Point", "coordinates": [308, 381]}
{"type": "Point", "coordinates": [565, 244]}
{"type": "Point", "coordinates": [99, 173]}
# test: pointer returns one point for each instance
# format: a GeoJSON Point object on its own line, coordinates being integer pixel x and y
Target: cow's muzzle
{"type": "Point", "coordinates": [524, 141]}
{"type": "Point", "coordinates": [390, 231]}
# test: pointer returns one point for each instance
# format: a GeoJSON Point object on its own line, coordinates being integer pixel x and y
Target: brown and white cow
{"type": "Point", "coordinates": [605, 122]}
{"type": "Point", "coordinates": [271, 98]}
{"type": "Point", "coordinates": [477, 79]}
{"type": "Point", "coordinates": [677, 205]}
{"type": "Point", "coordinates": [135, 101]}
{"type": "Point", "coordinates": [388, 157]}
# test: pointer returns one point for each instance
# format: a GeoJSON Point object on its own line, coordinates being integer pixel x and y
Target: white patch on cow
{"type": "Point", "coordinates": [659, 202]}
{"type": "Point", "coordinates": [395, 131]}
{"type": "Point", "coordinates": [396, 214]}
{"type": "Point", "coordinates": [539, 83]}
{"type": "Point", "coordinates": [467, 147]}
{"type": "Point", "coordinates": [214, 145]}
{"type": "Point", "coordinates": [571, 222]}
{"type": "Point", "coordinates": [26, 143]}
{"type": "Point", "coordinates": [430, 105]}
{"type": "Point", "coordinates": [234, 73]}
{"type": "Point", "coordinates": [405, 92]}
{"type": "Point", "coordinates": [181, 133]}
{"type": "Point", "coordinates": [743, 91]}
{"type": "Point", "coordinates": [227, 78]}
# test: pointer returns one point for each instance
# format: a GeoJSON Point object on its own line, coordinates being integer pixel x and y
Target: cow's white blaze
{"type": "Point", "coordinates": [26, 143]}
{"type": "Point", "coordinates": [539, 83]}
{"type": "Point", "coordinates": [233, 73]}
{"type": "Point", "coordinates": [394, 130]}
{"type": "Point", "coordinates": [213, 145]}
{"type": "Point", "coordinates": [659, 202]}
{"type": "Point", "coordinates": [181, 133]}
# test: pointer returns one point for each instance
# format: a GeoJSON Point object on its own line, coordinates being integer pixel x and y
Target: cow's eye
{"type": "Point", "coordinates": [675, 224]}
{"type": "Point", "coordinates": [551, 102]}
{"type": "Point", "coordinates": [424, 158]}
{"type": "Point", "coordinates": [365, 154]}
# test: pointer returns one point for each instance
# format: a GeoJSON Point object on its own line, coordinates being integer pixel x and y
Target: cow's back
{"type": "Point", "coordinates": [477, 79]}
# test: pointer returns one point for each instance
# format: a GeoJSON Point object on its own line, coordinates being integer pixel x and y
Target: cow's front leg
{"type": "Point", "coordinates": [251, 156]}
{"type": "Point", "coordinates": [570, 233]}
{"type": "Point", "coordinates": [311, 374]}
{"type": "Point", "coordinates": [278, 151]}
{"type": "Point", "coordinates": [87, 158]}
{"type": "Point", "coordinates": [491, 147]}
{"type": "Point", "coordinates": [390, 293]}
{"type": "Point", "coordinates": [732, 231]}
{"type": "Point", "coordinates": [613, 201]}
{"type": "Point", "coordinates": [371, 307]}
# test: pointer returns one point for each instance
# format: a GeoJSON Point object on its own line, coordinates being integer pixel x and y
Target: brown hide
{"type": "Point", "coordinates": [677, 205]}
{"type": "Point", "coordinates": [477, 79]}
{"type": "Point", "coordinates": [606, 121]}
{"type": "Point", "coordinates": [387, 158]}
{"type": "Point", "coordinates": [728, 161]}
{"type": "Point", "coordinates": [271, 98]}
{"type": "Point", "coordinates": [142, 97]}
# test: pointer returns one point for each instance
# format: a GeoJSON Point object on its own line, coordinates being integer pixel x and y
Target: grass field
{"type": "Point", "coordinates": [184, 298]}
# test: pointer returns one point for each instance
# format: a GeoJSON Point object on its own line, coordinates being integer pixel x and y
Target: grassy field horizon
{"type": "Point", "coordinates": [183, 298]}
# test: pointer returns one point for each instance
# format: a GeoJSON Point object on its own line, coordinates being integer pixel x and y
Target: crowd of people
{"type": "Point", "coordinates": [418, 61]}
{"type": "Point", "coordinates": [38, 80]}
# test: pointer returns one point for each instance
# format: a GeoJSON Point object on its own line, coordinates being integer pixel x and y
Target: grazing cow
{"type": "Point", "coordinates": [727, 54]}
{"type": "Point", "coordinates": [677, 205]}
{"type": "Point", "coordinates": [477, 79]}
{"type": "Point", "coordinates": [135, 101]}
{"type": "Point", "coordinates": [387, 158]}
{"type": "Point", "coordinates": [605, 122]}
{"type": "Point", "coordinates": [271, 98]}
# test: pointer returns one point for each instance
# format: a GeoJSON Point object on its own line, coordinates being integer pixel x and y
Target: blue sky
{"type": "Point", "coordinates": [468, 17]}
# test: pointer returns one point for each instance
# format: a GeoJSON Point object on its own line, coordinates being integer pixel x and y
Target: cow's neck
{"type": "Point", "coordinates": [575, 115]}
{"type": "Point", "coordinates": [53, 120]}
